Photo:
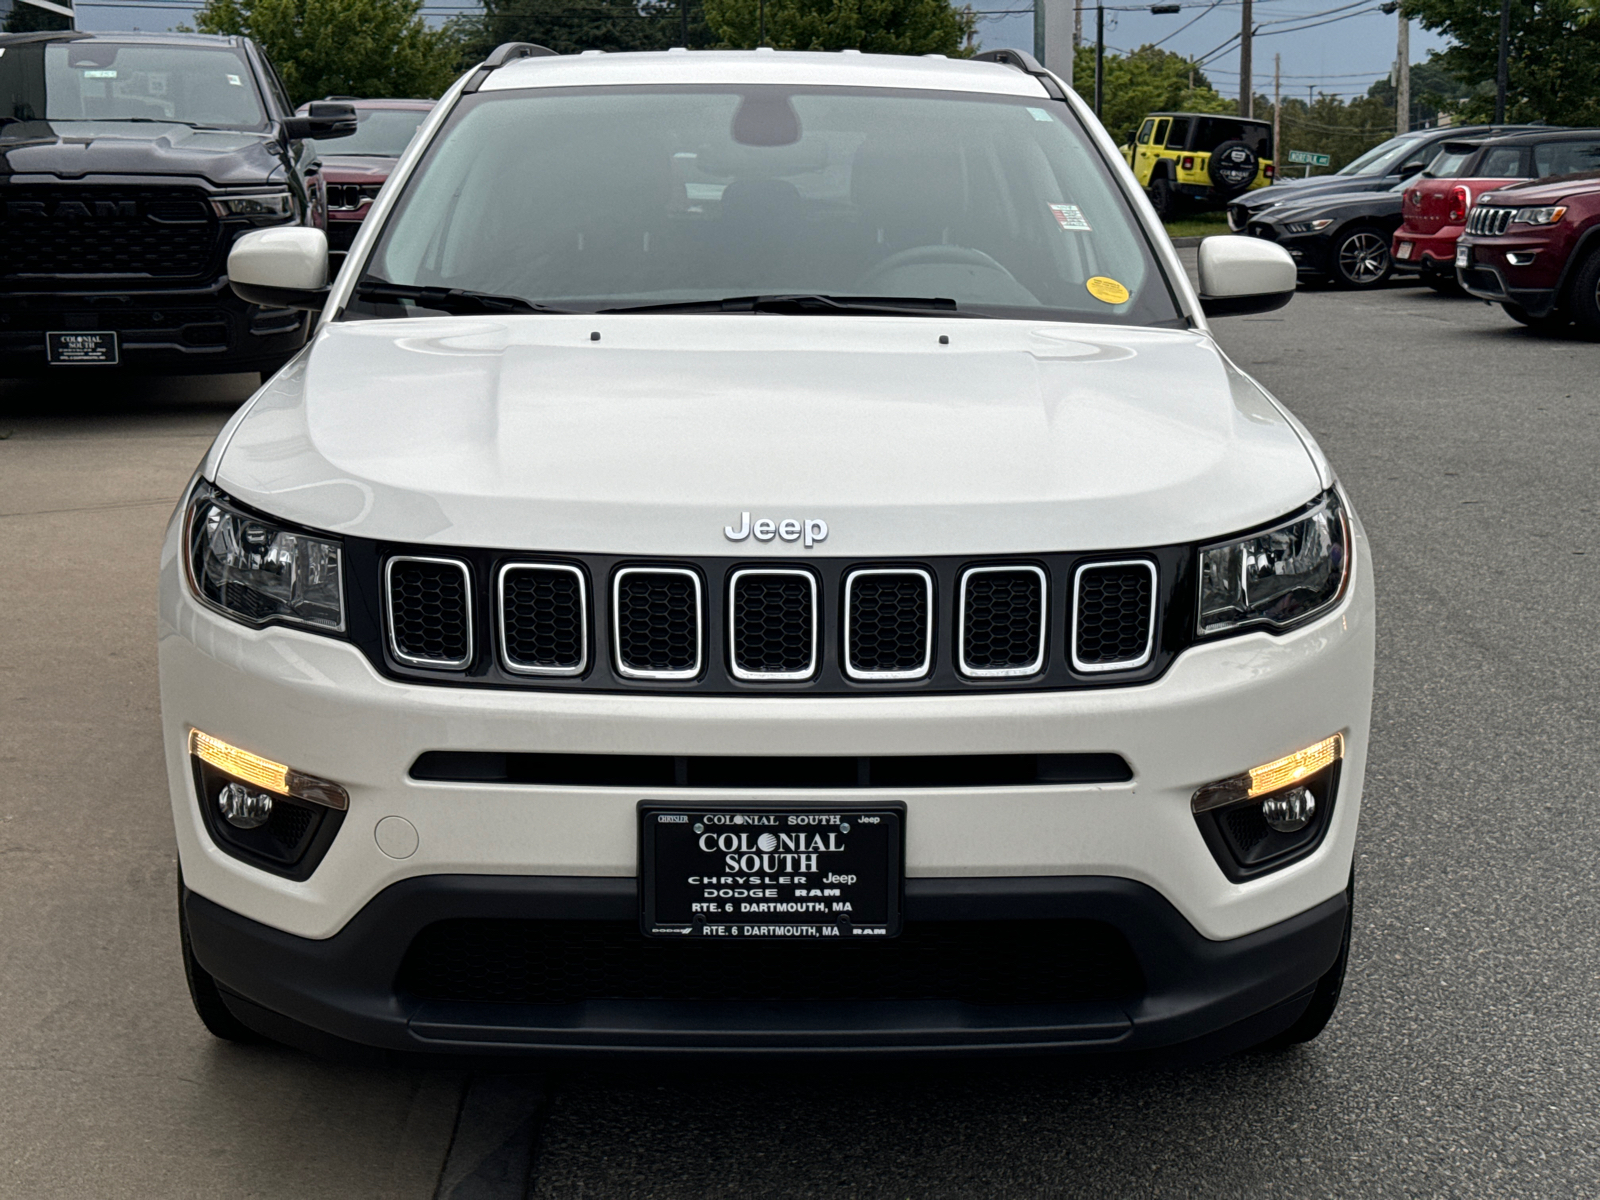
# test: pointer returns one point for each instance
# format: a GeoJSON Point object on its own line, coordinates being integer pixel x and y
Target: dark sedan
{"type": "Point", "coordinates": [1343, 237]}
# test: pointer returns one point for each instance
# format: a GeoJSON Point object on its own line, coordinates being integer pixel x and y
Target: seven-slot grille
{"type": "Point", "coordinates": [1002, 621]}
{"type": "Point", "coordinates": [656, 615]}
{"type": "Point", "coordinates": [1113, 615]}
{"type": "Point", "coordinates": [347, 197]}
{"type": "Point", "coordinates": [1490, 221]}
{"type": "Point", "coordinates": [888, 624]}
{"type": "Point", "coordinates": [544, 619]}
{"type": "Point", "coordinates": [772, 624]}
{"type": "Point", "coordinates": [775, 621]}
{"type": "Point", "coordinates": [429, 602]}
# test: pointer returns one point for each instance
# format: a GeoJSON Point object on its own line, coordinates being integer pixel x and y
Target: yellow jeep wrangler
{"type": "Point", "coordinates": [1199, 160]}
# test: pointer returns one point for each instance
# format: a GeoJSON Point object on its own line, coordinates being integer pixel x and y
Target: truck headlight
{"type": "Point", "coordinates": [1279, 577]}
{"type": "Point", "coordinates": [257, 570]}
{"type": "Point", "coordinates": [267, 208]}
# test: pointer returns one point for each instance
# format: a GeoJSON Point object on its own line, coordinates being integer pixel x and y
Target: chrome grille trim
{"type": "Point", "coordinates": [733, 626]}
{"type": "Point", "coordinates": [454, 664]}
{"type": "Point", "coordinates": [511, 664]}
{"type": "Point", "coordinates": [1037, 664]}
{"type": "Point", "coordinates": [926, 665]}
{"type": "Point", "coordinates": [1124, 664]}
{"type": "Point", "coordinates": [623, 668]}
{"type": "Point", "coordinates": [1490, 220]}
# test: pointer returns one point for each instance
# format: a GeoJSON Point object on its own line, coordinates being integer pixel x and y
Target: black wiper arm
{"type": "Point", "coordinates": [450, 300]}
{"type": "Point", "coordinates": [899, 306]}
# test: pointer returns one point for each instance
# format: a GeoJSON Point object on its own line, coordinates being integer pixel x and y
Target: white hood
{"type": "Point", "coordinates": [525, 433]}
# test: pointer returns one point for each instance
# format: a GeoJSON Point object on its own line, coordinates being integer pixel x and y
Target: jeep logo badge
{"type": "Point", "coordinates": [789, 529]}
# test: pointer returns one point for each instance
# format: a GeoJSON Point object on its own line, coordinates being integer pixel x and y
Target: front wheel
{"type": "Point", "coordinates": [1361, 258]}
{"type": "Point", "coordinates": [1583, 300]}
{"type": "Point", "coordinates": [1553, 320]}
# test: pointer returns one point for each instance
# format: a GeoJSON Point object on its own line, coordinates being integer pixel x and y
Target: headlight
{"type": "Point", "coordinates": [1279, 577]}
{"type": "Point", "coordinates": [1539, 216]}
{"type": "Point", "coordinates": [1309, 226]}
{"type": "Point", "coordinates": [258, 571]}
{"type": "Point", "coordinates": [270, 206]}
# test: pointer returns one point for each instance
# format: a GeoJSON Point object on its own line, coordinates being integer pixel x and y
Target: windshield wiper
{"type": "Point", "coordinates": [450, 300]}
{"type": "Point", "coordinates": [899, 306]}
{"type": "Point", "coordinates": [154, 121]}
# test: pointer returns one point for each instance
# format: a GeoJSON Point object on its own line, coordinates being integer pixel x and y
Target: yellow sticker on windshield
{"type": "Point", "coordinates": [1107, 290]}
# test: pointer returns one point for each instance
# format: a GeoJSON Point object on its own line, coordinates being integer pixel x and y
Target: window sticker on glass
{"type": "Point", "coordinates": [1070, 216]}
{"type": "Point", "coordinates": [1039, 114]}
{"type": "Point", "coordinates": [1108, 291]}
{"type": "Point", "coordinates": [234, 79]}
{"type": "Point", "coordinates": [99, 74]}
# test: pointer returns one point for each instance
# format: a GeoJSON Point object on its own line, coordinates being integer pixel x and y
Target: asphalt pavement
{"type": "Point", "coordinates": [1464, 1060]}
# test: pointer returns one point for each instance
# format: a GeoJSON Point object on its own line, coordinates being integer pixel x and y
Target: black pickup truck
{"type": "Point", "coordinates": [129, 163]}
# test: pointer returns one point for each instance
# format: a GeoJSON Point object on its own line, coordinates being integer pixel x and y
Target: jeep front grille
{"type": "Point", "coordinates": [1002, 621]}
{"type": "Point", "coordinates": [348, 197]}
{"type": "Point", "coordinates": [544, 619]}
{"type": "Point", "coordinates": [1113, 622]}
{"type": "Point", "coordinates": [429, 604]}
{"type": "Point", "coordinates": [772, 624]}
{"type": "Point", "coordinates": [1490, 221]}
{"type": "Point", "coordinates": [657, 619]}
{"type": "Point", "coordinates": [888, 624]}
{"type": "Point", "coordinates": [52, 233]}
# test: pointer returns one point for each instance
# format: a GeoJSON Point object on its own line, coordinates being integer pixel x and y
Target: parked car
{"type": "Point", "coordinates": [1436, 208]}
{"type": "Point", "coordinates": [1199, 160]}
{"type": "Point", "coordinates": [1378, 170]}
{"type": "Point", "coordinates": [132, 162]}
{"type": "Point", "coordinates": [1534, 248]}
{"type": "Point", "coordinates": [356, 169]}
{"type": "Point", "coordinates": [654, 617]}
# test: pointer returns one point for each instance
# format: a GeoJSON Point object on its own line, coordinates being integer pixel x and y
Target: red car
{"type": "Point", "coordinates": [361, 162]}
{"type": "Point", "coordinates": [1535, 249]}
{"type": "Point", "coordinates": [1435, 210]}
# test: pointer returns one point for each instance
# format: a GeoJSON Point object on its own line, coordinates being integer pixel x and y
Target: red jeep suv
{"type": "Point", "coordinates": [1535, 248]}
{"type": "Point", "coordinates": [1435, 210]}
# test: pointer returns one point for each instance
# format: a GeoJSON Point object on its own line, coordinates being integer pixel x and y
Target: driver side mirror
{"type": "Point", "coordinates": [281, 268]}
{"type": "Point", "coordinates": [1240, 275]}
{"type": "Point", "coordinates": [323, 119]}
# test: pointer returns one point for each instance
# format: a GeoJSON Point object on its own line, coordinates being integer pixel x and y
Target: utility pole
{"type": "Point", "coordinates": [683, 22]}
{"type": "Point", "coordinates": [1077, 26]}
{"type": "Point", "coordinates": [1277, 106]}
{"type": "Point", "coordinates": [1038, 29]}
{"type": "Point", "coordinates": [763, 8]}
{"type": "Point", "coordinates": [1100, 56]}
{"type": "Point", "coordinates": [1502, 74]}
{"type": "Point", "coordinates": [1402, 78]}
{"type": "Point", "coordinates": [1058, 37]}
{"type": "Point", "coordinates": [1247, 98]}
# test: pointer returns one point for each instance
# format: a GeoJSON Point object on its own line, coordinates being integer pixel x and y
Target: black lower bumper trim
{"type": "Point", "coordinates": [342, 989]}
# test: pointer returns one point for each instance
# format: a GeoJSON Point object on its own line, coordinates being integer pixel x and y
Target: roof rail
{"type": "Point", "coordinates": [1024, 62]}
{"type": "Point", "coordinates": [500, 56]}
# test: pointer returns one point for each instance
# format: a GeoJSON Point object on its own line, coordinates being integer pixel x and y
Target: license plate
{"type": "Point", "coordinates": [1463, 256]}
{"type": "Point", "coordinates": [777, 873]}
{"type": "Point", "coordinates": [81, 349]}
{"type": "Point", "coordinates": [1405, 249]}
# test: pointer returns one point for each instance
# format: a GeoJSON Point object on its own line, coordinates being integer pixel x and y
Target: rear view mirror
{"type": "Point", "coordinates": [1241, 275]}
{"type": "Point", "coordinates": [281, 268]}
{"type": "Point", "coordinates": [323, 119]}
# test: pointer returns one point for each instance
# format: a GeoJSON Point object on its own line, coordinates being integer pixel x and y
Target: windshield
{"type": "Point", "coordinates": [381, 132]}
{"type": "Point", "coordinates": [590, 198]}
{"type": "Point", "coordinates": [1381, 159]}
{"type": "Point", "coordinates": [108, 81]}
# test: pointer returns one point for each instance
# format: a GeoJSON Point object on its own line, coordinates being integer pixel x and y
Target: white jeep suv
{"type": "Point", "coordinates": [762, 554]}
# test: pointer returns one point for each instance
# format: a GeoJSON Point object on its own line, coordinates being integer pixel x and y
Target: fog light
{"type": "Point", "coordinates": [243, 807]}
{"type": "Point", "coordinates": [1290, 812]}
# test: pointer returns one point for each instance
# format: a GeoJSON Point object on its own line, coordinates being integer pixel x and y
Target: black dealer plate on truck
{"type": "Point", "coordinates": [81, 349]}
{"type": "Point", "coordinates": [759, 871]}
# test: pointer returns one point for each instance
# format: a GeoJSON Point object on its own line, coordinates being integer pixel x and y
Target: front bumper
{"type": "Point", "coordinates": [1488, 276]}
{"type": "Point", "coordinates": [1312, 252]}
{"type": "Point", "coordinates": [1206, 996]}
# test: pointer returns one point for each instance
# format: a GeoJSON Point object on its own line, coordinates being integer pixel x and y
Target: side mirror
{"type": "Point", "coordinates": [281, 268]}
{"type": "Point", "coordinates": [323, 119]}
{"type": "Point", "coordinates": [1240, 275]}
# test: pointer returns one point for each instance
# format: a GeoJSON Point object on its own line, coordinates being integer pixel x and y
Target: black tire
{"type": "Point", "coordinates": [204, 994]}
{"type": "Point", "coordinates": [1443, 282]}
{"type": "Point", "coordinates": [1233, 168]}
{"type": "Point", "coordinates": [1552, 321]}
{"type": "Point", "coordinates": [1325, 997]}
{"type": "Point", "coordinates": [1163, 197]}
{"type": "Point", "coordinates": [1360, 257]}
{"type": "Point", "coordinates": [1582, 302]}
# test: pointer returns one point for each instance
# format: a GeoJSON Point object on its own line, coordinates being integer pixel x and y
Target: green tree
{"type": "Point", "coordinates": [871, 26]}
{"type": "Point", "coordinates": [366, 48]}
{"type": "Point", "coordinates": [572, 26]}
{"type": "Point", "coordinates": [1554, 57]}
{"type": "Point", "coordinates": [1143, 81]}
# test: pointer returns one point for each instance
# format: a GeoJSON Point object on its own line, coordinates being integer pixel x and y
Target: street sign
{"type": "Point", "coordinates": [1308, 158]}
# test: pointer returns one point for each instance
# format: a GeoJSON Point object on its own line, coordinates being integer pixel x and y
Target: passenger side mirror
{"type": "Point", "coordinates": [323, 119]}
{"type": "Point", "coordinates": [281, 268]}
{"type": "Point", "coordinates": [1241, 275]}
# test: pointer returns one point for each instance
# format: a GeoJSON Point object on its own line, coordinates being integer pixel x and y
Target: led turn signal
{"type": "Point", "coordinates": [264, 773]}
{"type": "Point", "coordinates": [1270, 777]}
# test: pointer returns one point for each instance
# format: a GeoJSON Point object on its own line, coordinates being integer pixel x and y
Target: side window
{"type": "Point", "coordinates": [1144, 132]}
{"type": "Point", "coordinates": [1160, 137]}
{"type": "Point", "coordinates": [1565, 158]}
{"type": "Point", "coordinates": [1503, 162]}
{"type": "Point", "coordinates": [1178, 135]}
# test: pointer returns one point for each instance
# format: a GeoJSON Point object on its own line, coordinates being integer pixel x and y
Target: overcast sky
{"type": "Point", "coordinates": [1351, 46]}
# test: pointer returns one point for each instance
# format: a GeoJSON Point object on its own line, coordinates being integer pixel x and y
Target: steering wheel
{"type": "Point", "coordinates": [919, 256]}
